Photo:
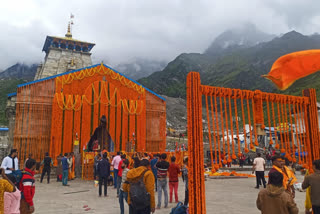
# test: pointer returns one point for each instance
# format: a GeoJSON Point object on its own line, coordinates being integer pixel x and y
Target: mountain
{"type": "Point", "coordinates": [140, 68]}
{"type": "Point", "coordinates": [235, 68]}
{"type": "Point", "coordinates": [20, 71]}
{"type": "Point", "coordinates": [243, 36]}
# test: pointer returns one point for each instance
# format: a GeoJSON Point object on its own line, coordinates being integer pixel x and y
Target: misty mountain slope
{"type": "Point", "coordinates": [243, 36]}
{"type": "Point", "coordinates": [235, 68]}
{"type": "Point", "coordinates": [140, 68]}
{"type": "Point", "coordinates": [20, 71]}
{"type": "Point", "coordinates": [171, 81]}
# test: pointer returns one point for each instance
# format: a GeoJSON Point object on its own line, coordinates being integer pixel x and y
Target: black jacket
{"type": "Point", "coordinates": [103, 168]}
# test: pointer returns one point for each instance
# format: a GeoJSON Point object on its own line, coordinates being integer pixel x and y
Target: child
{"type": "Point", "coordinates": [27, 188]}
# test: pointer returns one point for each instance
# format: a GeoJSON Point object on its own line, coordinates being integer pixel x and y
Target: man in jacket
{"type": "Point", "coordinates": [278, 164]}
{"type": "Point", "coordinates": [10, 163]}
{"type": "Point", "coordinates": [65, 167]}
{"type": "Point", "coordinates": [162, 167]}
{"type": "Point", "coordinates": [134, 175]}
{"type": "Point", "coordinates": [27, 187]}
{"type": "Point", "coordinates": [274, 199]}
{"type": "Point", "coordinates": [103, 170]}
{"type": "Point", "coordinates": [313, 181]}
{"type": "Point", "coordinates": [47, 162]}
{"type": "Point", "coordinates": [174, 171]}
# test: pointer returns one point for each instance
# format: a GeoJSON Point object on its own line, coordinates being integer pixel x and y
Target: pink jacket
{"type": "Point", "coordinates": [12, 202]}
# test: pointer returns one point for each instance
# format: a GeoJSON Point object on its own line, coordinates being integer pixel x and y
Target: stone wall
{"type": "Point", "coordinates": [11, 116]}
{"type": "Point", "coordinates": [3, 144]}
{"type": "Point", "coordinates": [58, 61]}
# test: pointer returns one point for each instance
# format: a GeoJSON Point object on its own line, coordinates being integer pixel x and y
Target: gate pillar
{"type": "Point", "coordinates": [196, 183]}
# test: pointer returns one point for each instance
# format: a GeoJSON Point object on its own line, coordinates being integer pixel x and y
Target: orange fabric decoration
{"type": "Point", "coordinates": [289, 68]}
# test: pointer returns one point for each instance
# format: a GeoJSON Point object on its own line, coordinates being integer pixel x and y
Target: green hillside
{"type": "Point", "coordinates": [235, 68]}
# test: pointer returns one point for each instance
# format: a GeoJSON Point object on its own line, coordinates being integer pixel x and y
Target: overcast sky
{"type": "Point", "coordinates": [151, 29]}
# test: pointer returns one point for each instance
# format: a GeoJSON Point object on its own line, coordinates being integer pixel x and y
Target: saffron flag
{"type": "Point", "coordinates": [291, 67]}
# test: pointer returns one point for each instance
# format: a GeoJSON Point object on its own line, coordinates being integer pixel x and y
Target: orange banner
{"type": "Point", "coordinates": [291, 67]}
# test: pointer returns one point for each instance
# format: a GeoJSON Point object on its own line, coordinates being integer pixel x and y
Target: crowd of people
{"type": "Point", "coordinates": [278, 194]}
{"type": "Point", "coordinates": [137, 178]}
{"type": "Point", "coordinates": [17, 187]}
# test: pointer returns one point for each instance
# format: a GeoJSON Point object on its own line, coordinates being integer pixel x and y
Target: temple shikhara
{"type": "Point", "coordinates": [60, 110]}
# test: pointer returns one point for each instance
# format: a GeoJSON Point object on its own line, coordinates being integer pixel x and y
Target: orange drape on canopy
{"type": "Point", "coordinates": [291, 67]}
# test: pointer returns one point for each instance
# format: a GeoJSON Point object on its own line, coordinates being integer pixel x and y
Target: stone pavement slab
{"type": "Point", "coordinates": [226, 196]}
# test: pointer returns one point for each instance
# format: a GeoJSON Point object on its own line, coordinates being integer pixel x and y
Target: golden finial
{"type": "Point", "coordinates": [68, 34]}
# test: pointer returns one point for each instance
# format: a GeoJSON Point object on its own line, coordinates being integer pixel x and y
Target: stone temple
{"type": "Point", "coordinates": [63, 54]}
{"type": "Point", "coordinates": [42, 118]}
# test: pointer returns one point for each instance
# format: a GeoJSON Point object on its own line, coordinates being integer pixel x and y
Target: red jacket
{"type": "Point", "coordinates": [174, 171]}
{"type": "Point", "coordinates": [27, 186]}
{"type": "Point", "coordinates": [120, 168]}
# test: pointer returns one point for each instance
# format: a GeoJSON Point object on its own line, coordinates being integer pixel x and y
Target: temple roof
{"type": "Point", "coordinates": [58, 75]}
{"type": "Point", "coordinates": [70, 40]}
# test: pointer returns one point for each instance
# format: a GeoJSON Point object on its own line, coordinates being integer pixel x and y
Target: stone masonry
{"type": "Point", "coordinates": [58, 61]}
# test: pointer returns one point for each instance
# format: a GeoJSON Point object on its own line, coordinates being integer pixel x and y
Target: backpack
{"type": "Point", "coordinates": [179, 209]}
{"type": "Point", "coordinates": [139, 196]}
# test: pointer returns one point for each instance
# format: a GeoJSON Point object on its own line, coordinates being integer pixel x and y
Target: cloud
{"type": "Point", "coordinates": [157, 30]}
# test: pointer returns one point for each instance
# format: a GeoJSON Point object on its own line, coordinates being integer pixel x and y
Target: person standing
{"type": "Point", "coordinates": [103, 171]}
{"type": "Point", "coordinates": [174, 171]}
{"type": "Point", "coordinates": [162, 167]}
{"type": "Point", "coordinates": [5, 186]}
{"type": "Point", "coordinates": [65, 169]}
{"type": "Point", "coordinates": [278, 164]}
{"type": "Point", "coordinates": [72, 168]}
{"type": "Point", "coordinates": [185, 179]}
{"type": "Point", "coordinates": [145, 204]}
{"type": "Point", "coordinates": [119, 177]}
{"type": "Point", "coordinates": [95, 165]}
{"type": "Point", "coordinates": [29, 157]}
{"type": "Point", "coordinates": [10, 163]}
{"type": "Point", "coordinates": [59, 168]}
{"type": "Point", "coordinates": [313, 181]}
{"type": "Point", "coordinates": [259, 165]}
{"type": "Point", "coordinates": [268, 157]}
{"type": "Point", "coordinates": [274, 199]}
{"type": "Point", "coordinates": [115, 163]}
{"type": "Point", "coordinates": [154, 170]}
{"type": "Point", "coordinates": [122, 194]}
{"type": "Point", "coordinates": [241, 160]}
{"type": "Point", "coordinates": [47, 162]}
{"type": "Point", "coordinates": [27, 188]}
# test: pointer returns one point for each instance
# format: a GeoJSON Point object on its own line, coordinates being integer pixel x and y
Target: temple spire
{"type": "Point", "coordinates": [68, 34]}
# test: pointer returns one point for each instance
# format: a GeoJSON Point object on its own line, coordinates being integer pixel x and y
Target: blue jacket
{"type": "Point", "coordinates": [65, 164]}
{"type": "Point", "coordinates": [103, 168]}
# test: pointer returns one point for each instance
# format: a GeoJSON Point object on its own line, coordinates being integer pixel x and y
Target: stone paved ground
{"type": "Point", "coordinates": [223, 196]}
